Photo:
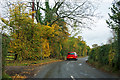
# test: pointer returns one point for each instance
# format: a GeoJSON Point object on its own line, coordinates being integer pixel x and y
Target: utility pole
{"type": "Point", "coordinates": [32, 31]}
{"type": "Point", "coordinates": [33, 5]}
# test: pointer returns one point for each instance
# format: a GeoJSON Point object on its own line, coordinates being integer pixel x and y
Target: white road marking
{"type": "Point", "coordinates": [68, 62]}
{"type": "Point", "coordinates": [72, 77]}
{"type": "Point", "coordinates": [80, 64]}
{"type": "Point", "coordinates": [35, 74]}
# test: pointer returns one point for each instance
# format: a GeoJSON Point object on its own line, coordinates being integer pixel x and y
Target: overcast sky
{"type": "Point", "coordinates": [100, 33]}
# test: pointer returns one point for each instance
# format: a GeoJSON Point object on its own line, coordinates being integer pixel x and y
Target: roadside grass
{"type": "Point", "coordinates": [29, 62]}
{"type": "Point", "coordinates": [29, 67]}
{"type": "Point", "coordinates": [104, 68]}
{"type": "Point", "coordinates": [32, 62]}
{"type": "Point", "coordinates": [98, 65]}
{"type": "Point", "coordinates": [6, 76]}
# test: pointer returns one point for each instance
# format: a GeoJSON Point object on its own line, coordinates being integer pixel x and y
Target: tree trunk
{"type": "Point", "coordinates": [15, 57]}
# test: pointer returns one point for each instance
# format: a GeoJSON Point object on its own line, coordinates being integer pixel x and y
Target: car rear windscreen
{"type": "Point", "coordinates": [71, 53]}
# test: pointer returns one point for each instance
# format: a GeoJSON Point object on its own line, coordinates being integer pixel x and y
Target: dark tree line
{"type": "Point", "coordinates": [114, 24]}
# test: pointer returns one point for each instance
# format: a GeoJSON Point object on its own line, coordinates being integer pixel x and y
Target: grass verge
{"type": "Point", "coordinates": [104, 68]}
{"type": "Point", "coordinates": [28, 62]}
{"type": "Point", "coordinates": [26, 69]}
{"type": "Point", "coordinates": [6, 77]}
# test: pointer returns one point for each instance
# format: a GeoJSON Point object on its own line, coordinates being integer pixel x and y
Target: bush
{"type": "Point", "coordinates": [5, 45]}
{"type": "Point", "coordinates": [105, 55]}
{"type": "Point", "coordinates": [6, 77]}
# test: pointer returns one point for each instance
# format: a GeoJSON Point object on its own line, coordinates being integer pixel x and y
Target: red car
{"type": "Point", "coordinates": [72, 55]}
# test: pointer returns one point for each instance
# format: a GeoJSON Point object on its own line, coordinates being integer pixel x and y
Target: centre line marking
{"type": "Point", "coordinates": [72, 77]}
{"type": "Point", "coordinates": [80, 64]}
{"type": "Point", "coordinates": [68, 62]}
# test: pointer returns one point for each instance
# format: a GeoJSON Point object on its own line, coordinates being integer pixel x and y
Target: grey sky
{"type": "Point", "coordinates": [100, 33]}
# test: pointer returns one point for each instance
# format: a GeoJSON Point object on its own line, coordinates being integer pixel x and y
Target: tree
{"type": "Point", "coordinates": [114, 23]}
{"type": "Point", "coordinates": [75, 44]}
{"type": "Point", "coordinates": [27, 41]}
{"type": "Point", "coordinates": [32, 40]}
{"type": "Point", "coordinates": [95, 45]}
{"type": "Point", "coordinates": [63, 10]}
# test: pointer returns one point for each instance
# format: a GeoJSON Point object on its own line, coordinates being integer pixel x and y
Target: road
{"type": "Point", "coordinates": [71, 69]}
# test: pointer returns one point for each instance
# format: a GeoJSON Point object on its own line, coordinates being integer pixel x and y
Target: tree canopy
{"type": "Point", "coordinates": [31, 40]}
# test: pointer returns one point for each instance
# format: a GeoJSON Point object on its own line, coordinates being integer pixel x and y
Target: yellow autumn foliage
{"type": "Point", "coordinates": [32, 40]}
{"type": "Point", "coordinates": [45, 48]}
{"type": "Point", "coordinates": [111, 56]}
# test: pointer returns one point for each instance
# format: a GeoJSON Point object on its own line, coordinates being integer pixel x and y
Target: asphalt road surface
{"type": "Point", "coordinates": [71, 69]}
